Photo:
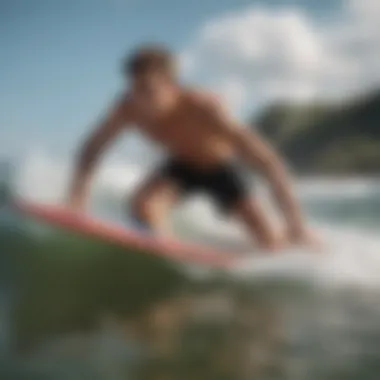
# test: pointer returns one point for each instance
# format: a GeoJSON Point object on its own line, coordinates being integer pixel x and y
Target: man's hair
{"type": "Point", "coordinates": [149, 58]}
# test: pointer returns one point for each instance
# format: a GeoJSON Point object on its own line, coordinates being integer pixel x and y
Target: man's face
{"type": "Point", "coordinates": [154, 91]}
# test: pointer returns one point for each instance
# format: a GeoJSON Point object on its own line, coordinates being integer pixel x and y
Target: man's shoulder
{"type": "Point", "coordinates": [124, 99]}
{"type": "Point", "coordinates": [203, 98]}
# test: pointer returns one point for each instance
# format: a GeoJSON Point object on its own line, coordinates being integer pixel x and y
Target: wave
{"type": "Point", "coordinates": [351, 254]}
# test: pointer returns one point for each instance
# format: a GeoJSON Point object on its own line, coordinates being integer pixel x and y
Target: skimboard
{"type": "Point", "coordinates": [89, 226]}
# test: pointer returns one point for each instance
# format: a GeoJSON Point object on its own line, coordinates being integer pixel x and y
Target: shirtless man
{"type": "Point", "coordinates": [203, 142]}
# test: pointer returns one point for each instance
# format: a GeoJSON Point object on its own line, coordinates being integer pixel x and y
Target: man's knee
{"type": "Point", "coordinates": [141, 211]}
{"type": "Point", "coordinates": [151, 203]}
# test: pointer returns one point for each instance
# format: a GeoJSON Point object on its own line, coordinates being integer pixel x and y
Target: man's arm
{"type": "Point", "coordinates": [260, 155]}
{"type": "Point", "coordinates": [93, 146]}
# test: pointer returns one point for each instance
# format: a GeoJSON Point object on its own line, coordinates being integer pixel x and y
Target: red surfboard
{"type": "Point", "coordinates": [128, 238]}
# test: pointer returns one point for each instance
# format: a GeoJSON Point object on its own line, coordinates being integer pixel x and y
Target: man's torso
{"type": "Point", "coordinates": [184, 133]}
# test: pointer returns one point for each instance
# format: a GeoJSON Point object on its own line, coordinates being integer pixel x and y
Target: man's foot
{"type": "Point", "coordinates": [285, 240]}
{"type": "Point", "coordinates": [308, 239]}
{"type": "Point", "coordinates": [278, 243]}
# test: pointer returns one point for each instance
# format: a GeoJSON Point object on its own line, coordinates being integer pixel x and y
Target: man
{"type": "Point", "coordinates": [203, 142]}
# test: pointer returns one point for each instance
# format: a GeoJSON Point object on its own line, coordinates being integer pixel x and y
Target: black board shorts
{"type": "Point", "coordinates": [225, 183]}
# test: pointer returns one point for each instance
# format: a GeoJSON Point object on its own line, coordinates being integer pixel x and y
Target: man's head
{"type": "Point", "coordinates": [152, 72]}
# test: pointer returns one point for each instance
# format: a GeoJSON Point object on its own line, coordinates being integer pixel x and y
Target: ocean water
{"type": "Point", "coordinates": [298, 315]}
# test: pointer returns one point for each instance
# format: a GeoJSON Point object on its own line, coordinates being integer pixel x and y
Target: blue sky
{"type": "Point", "coordinates": [60, 59]}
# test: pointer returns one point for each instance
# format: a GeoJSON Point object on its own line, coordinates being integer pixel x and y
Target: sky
{"type": "Point", "coordinates": [60, 60]}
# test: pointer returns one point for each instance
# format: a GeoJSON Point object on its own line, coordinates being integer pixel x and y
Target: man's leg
{"type": "Point", "coordinates": [259, 225]}
{"type": "Point", "coordinates": [228, 187]}
{"type": "Point", "coordinates": [152, 202]}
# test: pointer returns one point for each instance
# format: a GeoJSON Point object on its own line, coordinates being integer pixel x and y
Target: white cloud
{"type": "Point", "coordinates": [233, 91]}
{"type": "Point", "coordinates": [259, 54]}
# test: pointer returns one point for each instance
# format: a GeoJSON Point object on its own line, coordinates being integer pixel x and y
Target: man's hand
{"type": "Point", "coordinates": [78, 192]}
{"type": "Point", "coordinates": [76, 203]}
